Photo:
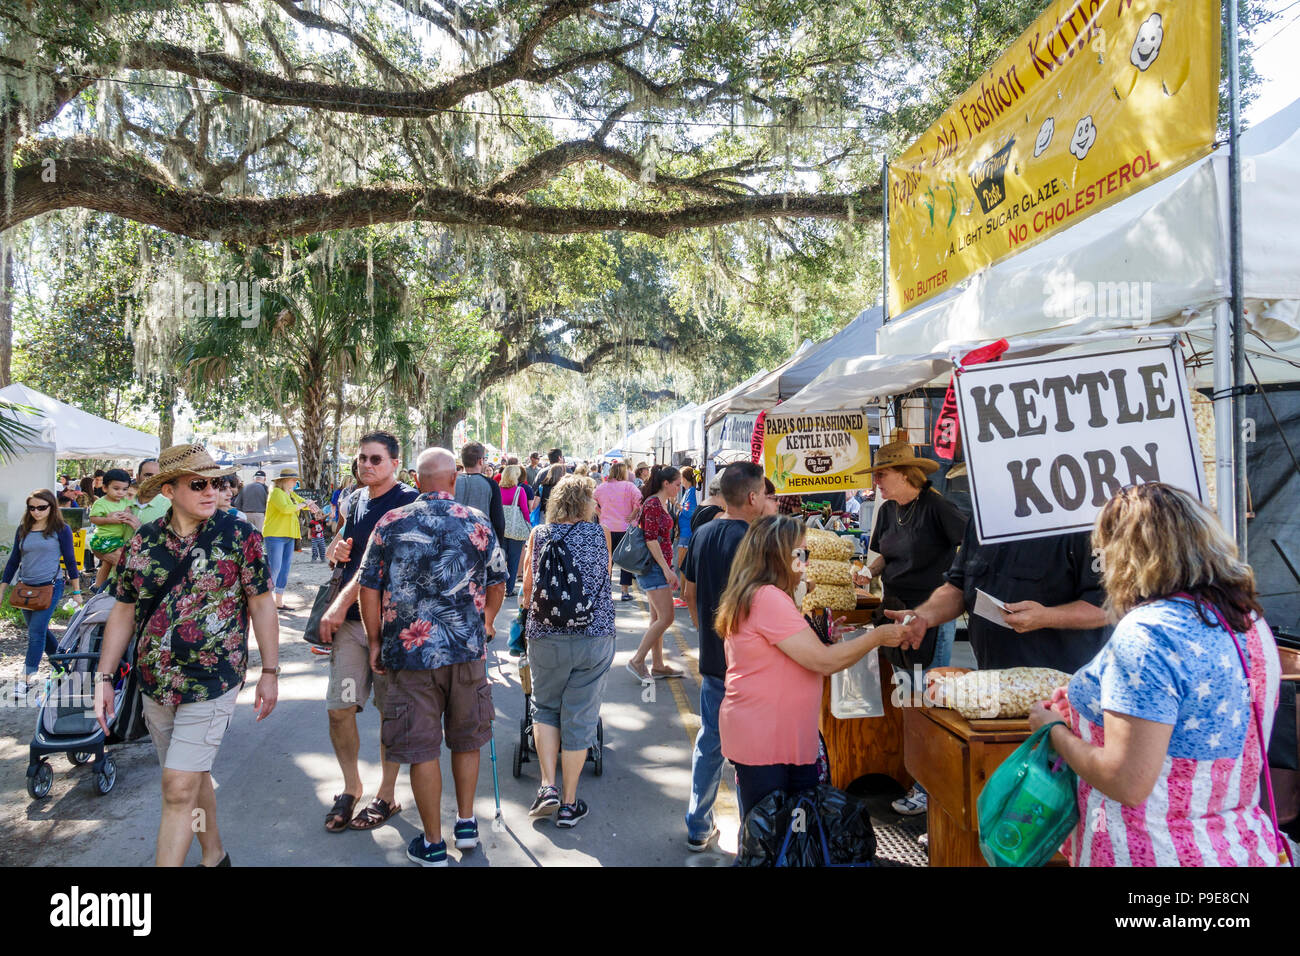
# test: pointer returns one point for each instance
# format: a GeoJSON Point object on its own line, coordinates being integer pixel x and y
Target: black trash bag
{"type": "Point", "coordinates": [822, 827]}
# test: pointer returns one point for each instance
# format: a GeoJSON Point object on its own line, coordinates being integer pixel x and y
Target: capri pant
{"type": "Point", "coordinates": [568, 672]}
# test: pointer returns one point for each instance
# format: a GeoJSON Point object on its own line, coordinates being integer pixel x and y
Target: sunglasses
{"type": "Point", "coordinates": [38, 507]}
{"type": "Point", "coordinates": [201, 484]}
{"type": "Point", "coordinates": [374, 460]}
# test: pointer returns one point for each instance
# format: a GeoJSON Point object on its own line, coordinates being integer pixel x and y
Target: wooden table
{"type": "Point", "coordinates": [953, 760]}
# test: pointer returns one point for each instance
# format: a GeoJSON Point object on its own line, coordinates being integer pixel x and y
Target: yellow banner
{"type": "Point", "coordinates": [1095, 101]}
{"type": "Point", "coordinates": [816, 452]}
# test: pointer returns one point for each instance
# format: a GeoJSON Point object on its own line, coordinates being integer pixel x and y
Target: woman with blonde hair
{"type": "Point", "coordinates": [617, 500]}
{"type": "Point", "coordinates": [514, 496]}
{"type": "Point", "coordinates": [776, 663]}
{"type": "Point", "coordinates": [568, 663]}
{"type": "Point", "coordinates": [1166, 726]}
{"type": "Point", "coordinates": [281, 531]}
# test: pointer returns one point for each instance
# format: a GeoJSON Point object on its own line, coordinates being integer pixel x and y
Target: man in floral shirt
{"type": "Point", "coordinates": [191, 640]}
{"type": "Point", "coordinates": [432, 580]}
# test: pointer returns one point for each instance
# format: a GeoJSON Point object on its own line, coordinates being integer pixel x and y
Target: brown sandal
{"type": "Point", "coordinates": [336, 821]}
{"type": "Point", "coordinates": [375, 815]}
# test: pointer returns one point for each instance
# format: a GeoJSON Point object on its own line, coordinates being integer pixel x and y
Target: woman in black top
{"type": "Point", "coordinates": [915, 535]}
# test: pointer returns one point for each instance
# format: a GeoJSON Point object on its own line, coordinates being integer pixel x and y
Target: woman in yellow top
{"type": "Point", "coordinates": [281, 528]}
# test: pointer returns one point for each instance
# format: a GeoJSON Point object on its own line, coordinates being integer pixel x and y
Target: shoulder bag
{"type": "Point", "coordinates": [516, 523]}
{"type": "Point", "coordinates": [327, 592]}
{"type": "Point", "coordinates": [632, 554]}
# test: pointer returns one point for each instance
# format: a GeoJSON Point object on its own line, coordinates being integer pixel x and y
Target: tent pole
{"type": "Point", "coordinates": [884, 241]}
{"type": "Point", "coordinates": [1224, 447]}
{"type": "Point", "coordinates": [1238, 293]}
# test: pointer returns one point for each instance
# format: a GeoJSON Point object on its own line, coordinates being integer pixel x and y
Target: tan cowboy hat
{"type": "Point", "coordinates": [182, 460]}
{"type": "Point", "coordinates": [288, 472]}
{"type": "Point", "coordinates": [899, 454]}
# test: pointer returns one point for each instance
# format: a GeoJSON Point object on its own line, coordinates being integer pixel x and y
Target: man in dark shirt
{"type": "Point", "coordinates": [704, 575]}
{"type": "Point", "coordinates": [351, 677]}
{"type": "Point", "coordinates": [1053, 595]}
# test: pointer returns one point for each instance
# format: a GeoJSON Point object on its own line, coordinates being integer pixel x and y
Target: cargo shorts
{"type": "Point", "coordinates": [424, 706]}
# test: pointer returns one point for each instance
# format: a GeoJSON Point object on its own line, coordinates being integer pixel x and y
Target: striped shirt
{"type": "Point", "coordinates": [1165, 664]}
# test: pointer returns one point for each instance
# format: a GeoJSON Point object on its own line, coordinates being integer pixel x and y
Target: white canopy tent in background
{"type": "Point", "coordinates": [62, 431]}
{"type": "Point", "coordinates": [766, 390]}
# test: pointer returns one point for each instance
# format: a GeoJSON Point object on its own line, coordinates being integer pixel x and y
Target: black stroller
{"type": "Point", "coordinates": [526, 745]}
{"type": "Point", "coordinates": [66, 719]}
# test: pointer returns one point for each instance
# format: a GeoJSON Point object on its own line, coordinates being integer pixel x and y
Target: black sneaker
{"type": "Point", "coordinates": [547, 802]}
{"type": "Point", "coordinates": [700, 844]}
{"type": "Point", "coordinates": [570, 814]}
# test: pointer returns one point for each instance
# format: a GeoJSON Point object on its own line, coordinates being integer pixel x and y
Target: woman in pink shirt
{"type": "Point", "coordinates": [616, 499]}
{"type": "Point", "coordinates": [775, 664]}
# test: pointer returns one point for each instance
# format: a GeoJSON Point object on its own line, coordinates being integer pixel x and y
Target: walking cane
{"type": "Point", "coordinates": [496, 783]}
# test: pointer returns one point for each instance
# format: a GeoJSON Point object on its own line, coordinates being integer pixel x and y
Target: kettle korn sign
{"type": "Point", "coordinates": [1095, 101]}
{"type": "Point", "coordinates": [816, 452]}
{"type": "Point", "coordinates": [1047, 442]}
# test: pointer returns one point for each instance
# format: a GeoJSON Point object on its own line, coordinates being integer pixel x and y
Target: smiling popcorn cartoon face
{"type": "Point", "coordinates": [1146, 46]}
{"type": "Point", "coordinates": [1085, 134]}
{"type": "Point", "coordinates": [1044, 138]}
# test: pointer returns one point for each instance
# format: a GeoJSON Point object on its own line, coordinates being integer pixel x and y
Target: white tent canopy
{"type": "Point", "coordinates": [62, 431]}
{"type": "Point", "coordinates": [856, 338]}
{"type": "Point", "coordinates": [1168, 244]}
{"type": "Point", "coordinates": [72, 433]}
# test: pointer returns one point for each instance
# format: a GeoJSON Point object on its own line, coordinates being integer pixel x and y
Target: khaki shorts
{"type": "Point", "coordinates": [420, 703]}
{"type": "Point", "coordinates": [188, 736]}
{"type": "Point", "coordinates": [351, 679]}
{"type": "Point", "coordinates": [256, 518]}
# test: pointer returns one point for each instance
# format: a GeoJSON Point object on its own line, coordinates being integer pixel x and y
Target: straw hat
{"type": "Point", "coordinates": [182, 460]}
{"type": "Point", "coordinates": [899, 454]}
{"type": "Point", "coordinates": [287, 472]}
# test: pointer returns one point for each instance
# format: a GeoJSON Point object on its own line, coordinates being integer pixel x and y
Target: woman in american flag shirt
{"type": "Point", "coordinates": [1163, 725]}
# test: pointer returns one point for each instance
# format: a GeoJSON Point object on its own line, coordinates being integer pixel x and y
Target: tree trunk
{"type": "Point", "coordinates": [440, 426]}
{"type": "Point", "coordinates": [312, 463]}
{"type": "Point", "coordinates": [167, 411]}
{"type": "Point", "coordinates": [6, 314]}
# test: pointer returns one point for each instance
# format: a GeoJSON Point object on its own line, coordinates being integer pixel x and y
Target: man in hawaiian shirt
{"type": "Point", "coordinates": [432, 580]}
{"type": "Point", "coordinates": [192, 648]}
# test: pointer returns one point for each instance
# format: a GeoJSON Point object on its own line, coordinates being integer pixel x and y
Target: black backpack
{"type": "Point", "coordinates": [559, 600]}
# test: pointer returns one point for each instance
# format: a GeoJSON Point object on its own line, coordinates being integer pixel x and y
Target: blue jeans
{"type": "Point", "coordinates": [279, 555]}
{"type": "Point", "coordinates": [39, 640]}
{"type": "Point", "coordinates": [755, 783]}
{"type": "Point", "coordinates": [653, 579]}
{"type": "Point", "coordinates": [706, 760]}
{"type": "Point", "coordinates": [514, 550]}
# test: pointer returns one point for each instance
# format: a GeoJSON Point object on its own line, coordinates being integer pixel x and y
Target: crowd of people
{"type": "Point", "coordinates": [426, 557]}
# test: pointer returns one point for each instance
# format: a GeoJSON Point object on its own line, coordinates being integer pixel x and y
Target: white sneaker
{"type": "Point", "coordinates": [913, 804]}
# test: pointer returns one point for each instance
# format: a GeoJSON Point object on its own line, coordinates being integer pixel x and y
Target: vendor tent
{"type": "Point", "coordinates": [62, 431]}
{"type": "Point", "coordinates": [278, 452]}
{"type": "Point", "coordinates": [764, 391]}
{"type": "Point", "coordinates": [1155, 264]}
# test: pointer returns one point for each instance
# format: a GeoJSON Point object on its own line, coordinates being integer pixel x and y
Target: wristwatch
{"type": "Point", "coordinates": [273, 670]}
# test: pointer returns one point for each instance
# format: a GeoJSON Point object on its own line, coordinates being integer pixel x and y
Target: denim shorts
{"type": "Point", "coordinates": [568, 672]}
{"type": "Point", "coordinates": [652, 580]}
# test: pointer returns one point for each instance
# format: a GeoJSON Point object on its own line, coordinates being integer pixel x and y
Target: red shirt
{"type": "Point", "coordinates": [657, 524]}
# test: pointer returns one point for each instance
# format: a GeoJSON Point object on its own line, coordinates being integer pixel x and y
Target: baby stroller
{"type": "Point", "coordinates": [526, 746]}
{"type": "Point", "coordinates": [66, 721]}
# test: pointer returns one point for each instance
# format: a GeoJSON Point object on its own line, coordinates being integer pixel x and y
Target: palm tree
{"type": "Point", "coordinates": [332, 314]}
